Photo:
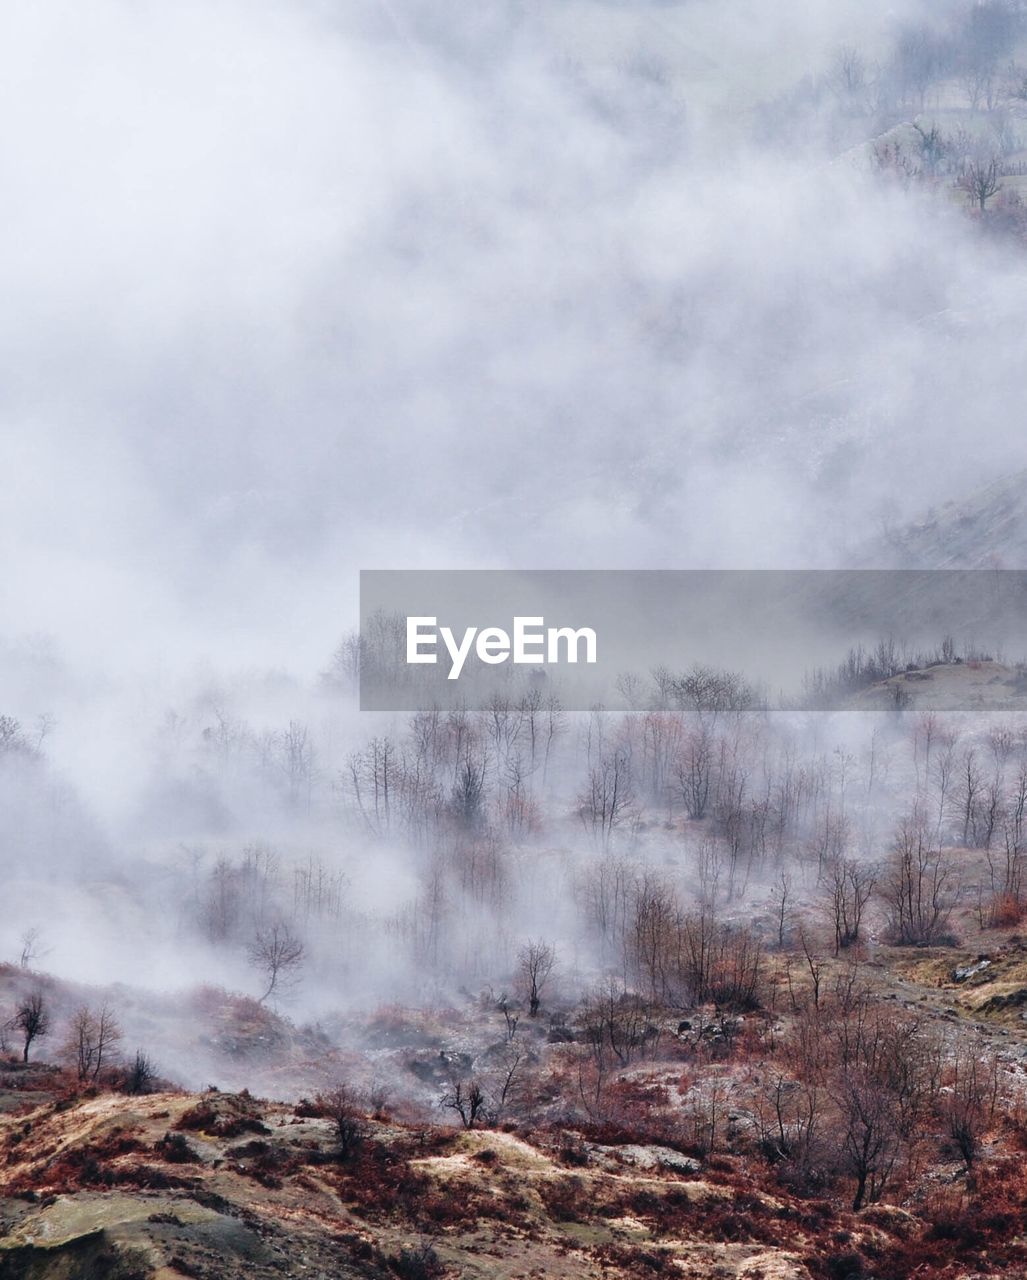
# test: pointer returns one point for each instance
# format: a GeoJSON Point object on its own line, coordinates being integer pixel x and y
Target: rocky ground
{"type": "Point", "coordinates": [218, 1186]}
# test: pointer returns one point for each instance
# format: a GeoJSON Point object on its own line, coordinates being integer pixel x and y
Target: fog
{"type": "Point", "coordinates": [295, 289]}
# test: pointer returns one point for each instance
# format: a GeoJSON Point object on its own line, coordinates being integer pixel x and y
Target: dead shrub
{"type": "Point", "coordinates": [175, 1149]}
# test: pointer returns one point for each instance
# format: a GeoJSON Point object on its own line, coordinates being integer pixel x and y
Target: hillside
{"type": "Point", "coordinates": [223, 1186]}
{"type": "Point", "coordinates": [949, 686]}
{"type": "Point", "coordinates": [987, 529]}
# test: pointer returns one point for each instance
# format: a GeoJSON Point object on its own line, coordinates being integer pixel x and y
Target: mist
{"type": "Point", "coordinates": [299, 289]}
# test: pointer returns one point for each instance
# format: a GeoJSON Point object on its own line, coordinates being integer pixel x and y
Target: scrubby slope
{"type": "Point", "coordinates": [219, 1185]}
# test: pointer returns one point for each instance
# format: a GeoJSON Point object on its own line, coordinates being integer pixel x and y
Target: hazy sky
{"type": "Point", "coordinates": [298, 288]}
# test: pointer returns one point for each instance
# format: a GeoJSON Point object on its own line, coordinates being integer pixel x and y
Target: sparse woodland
{"type": "Point", "coordinates": [699, 924]}
{"type": "Point", "coordinates": [701, 981]}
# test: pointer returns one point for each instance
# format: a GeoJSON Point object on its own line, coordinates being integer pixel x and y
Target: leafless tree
{"type": "Point", "coordinates": [277, 953]}
{"type": "Point", "coordinates": [608, 796]}
{"type": "Point", "coordinates": [93, 1039]}
{"type": "Point", "coordinates": [606, 890]}
{"type": "Point", "coordinates": [469, 791]}
{"type": "Point", "coordinates": [973, 782]}
{"type": "Point", "coordinates": [140, 1076]}
{"type": "Point", "coordinates": [615, 1022]}
{"type": "Point", "coordinates": [30, 947]}
{"type": "Point", "coordinates": [654, 936]}
{"type": "Point", "coordinates": [45, 725]}
{"type": "Point", "coordinates": [831, 839]}
{"type": "Point", "coordinates": [535, 963]}
{"type": "Point", "coordinates": [849, 75]}
{"type": "Point", "coordinates": [342, 1108]}
{"type": "Point", "coordinates": [317, 890]}
{"type": "Point", "coordinates": [467, 1099]}
{"type": "Point", "coordinates": [1007, 869]}
{"type": "Point", "coordinates": [631, 687]}
{"type": "Point", "coordinates": [781, 899]}
{"type": "Point", "coordinates": [32, 1018]}
{"type": "Point", "coordinates": [918, 62]}
{"type": "Point", "coordinates": [706, 1109]}
{"type": "Point", "coordinates": [814, 963]}
{"type": "Point", "coordinates": [789, 1115]}
{"type": "Point", "coordinates": [662, 733]}
{"type": "Point", "coordinates": [708, 692]}
{"type": "Point", "coordinates": [223, 902]}
{"type": "Point", "coordinates": [505, 1082]}
{"type": "Point", "coordinates": [521, 812]}
{"type": "Point", "coordinates": [738, 971]}
{"type": "Point", "coordinates": [503, 1005]}
{"type": "Point", "coordinates": [981, 179]}
{"type": "Point", "coordinates": [849, 884]}
{"type": "Point", "coordinates": [1016, 81]}
{"type": "Point", "coordinates": [693, 769]}
{"type": "Point", "coordinates": [932, 146]}
{"type": "Point", "coordinates": [12, 738]}
{"type": "Point", "coordinates": [968, 1105]}
{"type": "Point", "coordinates": [870, 1137]}
{"type": "Point", "coordinates": [373, 778]}
{"type": "Point", "coordinates": [916, 884]}
{"type": "Point", "coordinates": [977, 81]}
{"type": "Point", "coordinates": [553, 725]}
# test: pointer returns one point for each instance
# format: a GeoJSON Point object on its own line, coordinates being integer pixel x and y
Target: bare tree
{"type": "Point", "coordinates": [506, 1081]}
{"type": "Point", "coordinates": [789, 1114]}
{"type": "Point", "coordinates": [340, 1106]}
{"type": "Point", "coordinates": [469, 791]}
{"type": "Point", "coordinates": [615, 1021]}
{"type": "Point", "coordinates": [535, 965]}
{"type": "Point", "coordinates": [467, 1099]}
{"type": "Point", "coordinates": [93, 1038]}
{"type": "Point", "coordinates": [503, 1005]}
{"type": "Point", "coordinates": [709, 692]}
{"type": "Point", "coordinates": [287, 755]}
{"type": "Point", "coordinates": [870, 1137]}
{"type": "Point", "coordinates": [849, 76]}
{"type": "Point", "coordinates": [608, 797]}
{"type": "Point", "coordinates": [605, 889]}
{"type": "Point", "coordinates": [653, 939]}
{"type": "Point", "coordinates": [814, 964]}
{"type": "Point", "coordinates": [932, 146]}
{"type": "Point", "coordinates": [1007, 870]}
{"type": "Point", "coordinates": [30, 947]}
{"type": "Point", "coordinates": [141, 1076]}
{"type": "Point", "coordinates": [693, 770]}
{"type": "Point", "coordinates": [968, 1106]}
{"type": "Point", "coordinates": [918, 63]}
{"type": "Point", "coordinates": [977, 81]}
{"type": "Point", "coordinates": [973, 781]}
{"type": "Point", "coordinates": [12, 738]}
{"type": "Point", "coordinates": [916, 886]}
{"type": "Point", "coordinates": [32, 1018]}
{"type": "Point", "coordinates": [781, 900]}
{"type": "Point", "coordinates": [277, 953]}
{"type": "Point", "coordinates": [849, 884]}
{"type": "Point", "coordinates": [373, 777]}
{"type": "Point", "coordinates": [980, 179]}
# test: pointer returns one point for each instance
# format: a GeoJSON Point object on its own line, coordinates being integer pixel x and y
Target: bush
{"type": "Point", "coordinates": [1005, 912]}
{"type": "Point", "coordinates": [845, 1266]}
{"type": "Point", "coordinates": [419, 1262]}
{"type": "Point", "coordinates": [140, 1077]}
{"type": "Point", "coordinates": [340, 1107]}
{"type": "Point", "coordinates": [174, 1148]}
{"type": "Point", "coordinates": [207, 1118]}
